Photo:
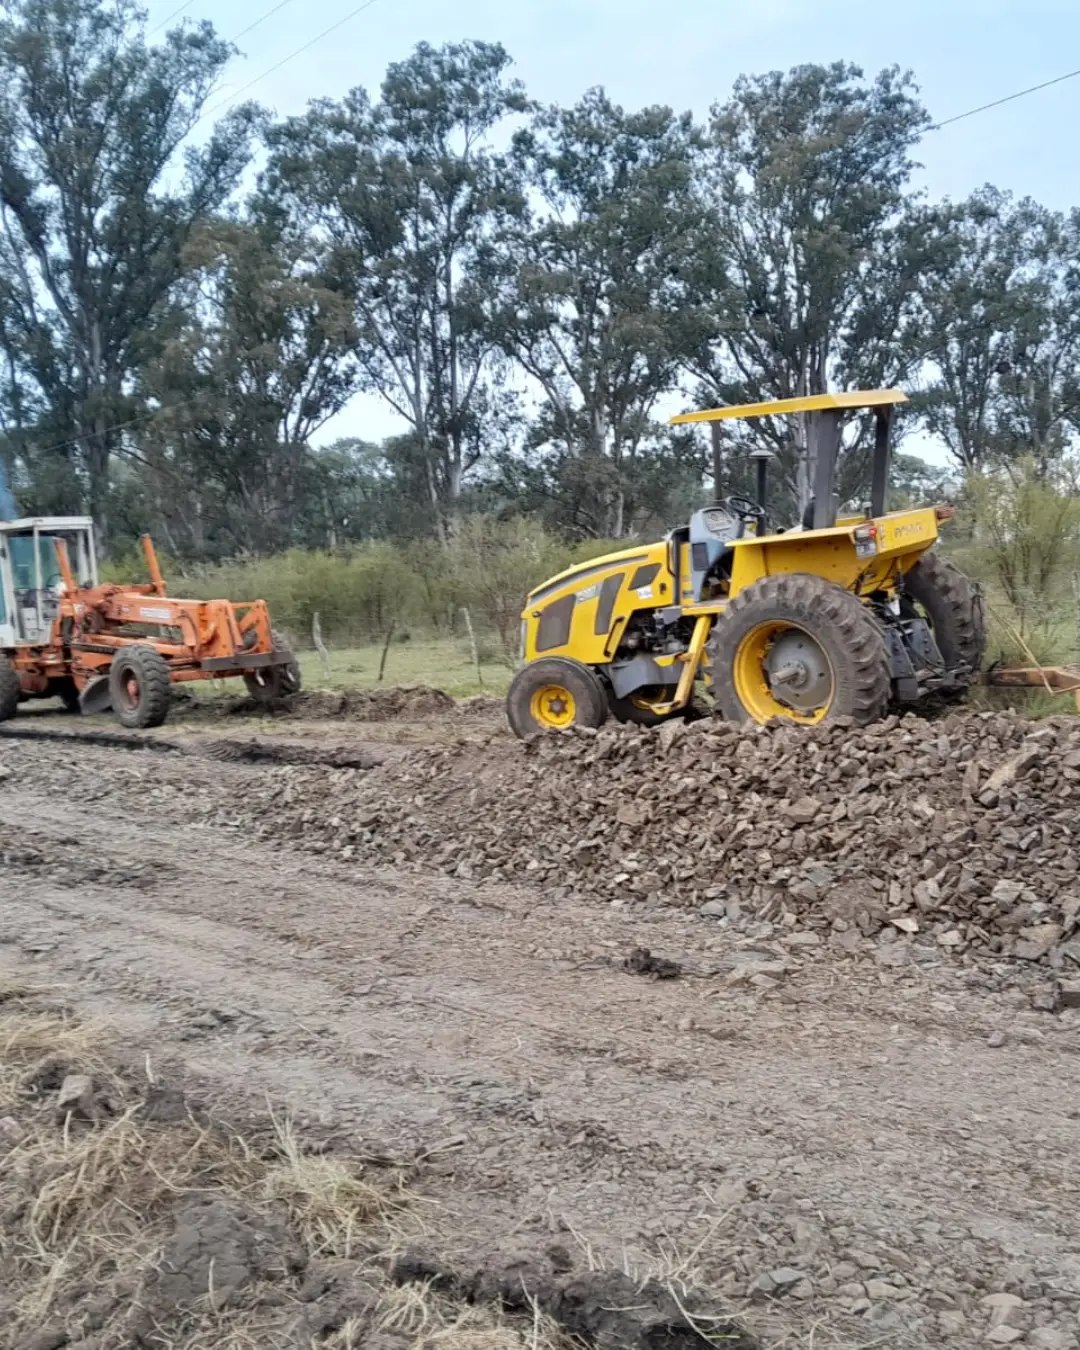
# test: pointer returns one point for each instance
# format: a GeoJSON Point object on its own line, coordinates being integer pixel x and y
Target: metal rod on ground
{"type": "Point", "coordinates": [1018, 637]}
{"type": "Point", "coordinates": [385, 649]}
{"type": "Point", "coordinates": [472, 646]}
{"type": "Point", "coordinates": [1076, 609]}
{"type": "Point", "coordinates": [319, 645]}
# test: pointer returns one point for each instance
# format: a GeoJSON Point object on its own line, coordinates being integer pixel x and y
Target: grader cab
{"type": "Point", "coordinates": [65, 635]}
{"type": "Point", "coordinates": [837, 616]}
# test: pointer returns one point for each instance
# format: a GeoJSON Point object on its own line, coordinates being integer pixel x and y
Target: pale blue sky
{"type": "Point", "coordinates": [687, 53]}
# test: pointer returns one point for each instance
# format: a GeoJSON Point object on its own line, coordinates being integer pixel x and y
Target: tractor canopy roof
{"type": "Point", "coordinates": [45, 524]}
{"type": "Point", "coordinates": [855, 398]}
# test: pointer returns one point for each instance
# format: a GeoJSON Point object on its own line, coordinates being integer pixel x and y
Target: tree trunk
{"type": "Point", "coordinates": [97, 471]}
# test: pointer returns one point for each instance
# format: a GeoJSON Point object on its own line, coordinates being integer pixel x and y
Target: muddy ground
{"type": "Point", "coordinates": [839, 1147]}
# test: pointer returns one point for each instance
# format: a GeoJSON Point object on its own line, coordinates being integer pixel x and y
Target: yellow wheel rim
{"type": "Point", "coordinates": [781, 671]}
{"type": "Point", "coordinates": [552, 705]}
{"type": "Point", "coordinates": [640, 700]}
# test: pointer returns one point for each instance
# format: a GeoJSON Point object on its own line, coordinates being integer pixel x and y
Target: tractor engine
{"type": "Point", "coordinates": [659, 632]}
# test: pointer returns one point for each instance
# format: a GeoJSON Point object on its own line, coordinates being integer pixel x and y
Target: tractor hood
{"type": "Point", "coordinates": [594, 567]}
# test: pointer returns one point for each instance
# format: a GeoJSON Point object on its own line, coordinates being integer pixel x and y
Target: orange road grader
{"type": "Point", "coordinates": [99, 646]}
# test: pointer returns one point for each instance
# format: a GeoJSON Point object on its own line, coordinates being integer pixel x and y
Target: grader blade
{"type": "Point", "coordinates": [96, 697]}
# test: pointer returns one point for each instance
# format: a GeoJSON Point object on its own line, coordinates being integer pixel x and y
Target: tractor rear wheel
{"type": "Point", "coordinates": [554, 694]}
{"type": "Point", "coordinates": [140, 686]}
{"type": "Point", "coordinates": [953, 607]}
{"type": "Point", "coordinates": [9, 689]}
{"type": "Point", "coordinates": [275, 682]}
{"type": "Point", "coordinates": [800, 648]}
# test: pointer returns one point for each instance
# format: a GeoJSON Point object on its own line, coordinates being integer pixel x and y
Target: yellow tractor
{"type": "Point", "coordinates": [840, 616]}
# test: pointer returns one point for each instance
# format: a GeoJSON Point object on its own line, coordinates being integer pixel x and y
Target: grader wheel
{"type": "Point", "coordinates": [275, 682]}
{"type": "Point", "coordinates": [9, 689]}
{"type": "Point", "coordinates": [140, 686]}
{"type": "Point", "coordinates": [799, 648]}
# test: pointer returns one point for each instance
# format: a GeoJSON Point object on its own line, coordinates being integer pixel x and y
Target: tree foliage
{"type": "Point", "coordinates": [592, 304]}
{"type": "Point", "coordinates": [256, 353]}
{"type": "Point", "coordinates": [999, 321]}
{"type": "Point", "coordinates": [531, 290]}
{"type": "Point", "coordinates": [410, 193]}
{"type": "Point", "coordinates": [806, 264]}
{"type": "Point", "coordinates": [95, 211]}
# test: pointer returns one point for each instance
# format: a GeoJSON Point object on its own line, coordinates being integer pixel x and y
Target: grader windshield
{"type": "Point", "coordinates": [30, 580]}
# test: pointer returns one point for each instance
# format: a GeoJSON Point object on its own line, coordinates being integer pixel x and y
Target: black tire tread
{"type": "Point", "coordinates": [821, 607]}
{"type": "Point", "coordinates": [68, 695]}
{"type": "Point", "coordinates": [9, 689]}
{"type": "Point", "coordinates": [592, 696]}
{"type": "Point", "coordinates": [960, 623]}
{"type": "Point", "coordinates": [626, 710]}
{"type": "Point", "coordinates": [286, 679]}
{"type": "Point", "coordinates": [155, 683]}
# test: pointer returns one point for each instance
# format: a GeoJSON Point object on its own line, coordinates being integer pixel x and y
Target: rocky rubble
{"type": "Point", "coordinates": [962, 830]}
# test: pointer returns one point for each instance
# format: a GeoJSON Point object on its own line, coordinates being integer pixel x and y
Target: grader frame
{"type": "Point", "coordinates": [64, 633]}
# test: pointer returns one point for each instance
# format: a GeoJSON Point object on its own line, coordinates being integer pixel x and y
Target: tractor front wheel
{"type": "Point", "coordinates": [800, 648]}
{"type": "Point", "coordinates": [273, 683]}
{"type": "Point", "coordinates": [140, 686]}
{"type": "Point", "coordinates": [554, 694]}
{"type": "Point", "coordinates": [9, 689]}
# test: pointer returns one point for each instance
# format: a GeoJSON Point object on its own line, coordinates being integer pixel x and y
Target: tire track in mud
{"type": "Point", "coordinates": [419, 1009]}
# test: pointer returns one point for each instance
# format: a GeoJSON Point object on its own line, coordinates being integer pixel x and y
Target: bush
{"type": "Point", "coordinates": [1027, 529]}
{"type": "Point", "coordinates": [355, 595]}
{"type": "Point", "coordinates": [1025, 546]}
{"type": "Point", "coordinates": [488, 567]}
{"type": "Point", "coordinates": [495, 563]}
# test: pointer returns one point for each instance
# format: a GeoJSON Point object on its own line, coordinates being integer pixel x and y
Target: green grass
{"type": "Point", "coordinates": [445, 663]}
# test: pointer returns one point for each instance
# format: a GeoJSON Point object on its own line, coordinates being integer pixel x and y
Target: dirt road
{"type": "Point", "coordinates": [849, 1153]}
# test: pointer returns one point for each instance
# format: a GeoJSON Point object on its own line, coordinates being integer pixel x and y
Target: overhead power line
{"type": "Point", "coordinates": [340, 23]}
{"type": "Point", "coordinates": [169, 17]}
{"type": "Point", "coordinates": [261, 19]}
{"type": "Point", "coordinates": [1009, 98]}
{"type": "Point", "coordinates": [135, 421]}
{"type": "Point", "coordinates": [236, 36]}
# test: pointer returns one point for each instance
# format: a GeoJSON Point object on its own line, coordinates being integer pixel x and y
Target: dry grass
{"type": "Point", "coordinates": [37, 1044]}
{"type": "Point", "coordinates": [85, 1208]}
{"type": "Point", "coordinates": [432, 1321]}
{"type": "Point", "coordinates": [88, 1206]}
{"type": "Point", "coordinates": [94, 1201]}
{"type": "Point", "coordinates": [329, 1202]}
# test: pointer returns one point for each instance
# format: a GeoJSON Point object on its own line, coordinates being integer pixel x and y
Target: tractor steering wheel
{"type": "Point", "coordinates": [744, 508]}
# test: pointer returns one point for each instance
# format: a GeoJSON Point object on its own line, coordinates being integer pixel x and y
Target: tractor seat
{"type": "Point", "coordinates": [712, 532]}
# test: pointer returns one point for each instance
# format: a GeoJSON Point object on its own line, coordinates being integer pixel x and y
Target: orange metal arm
{"type": "Point", "coordinates": [157, 580]}
{"type": "Point", "coordinates": [64, 562]}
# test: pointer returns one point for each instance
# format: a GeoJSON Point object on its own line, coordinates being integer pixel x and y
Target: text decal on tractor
{"type": "Point", "coordinates": [838, 616]}
{"type": "Point", "coordinates": [63, 635]}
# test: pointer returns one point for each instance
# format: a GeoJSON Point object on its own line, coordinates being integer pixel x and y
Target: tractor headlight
{"type": "Point", "coordinates": [521, 642]}
{"type": "Point", "coordinates": [866, 541]}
